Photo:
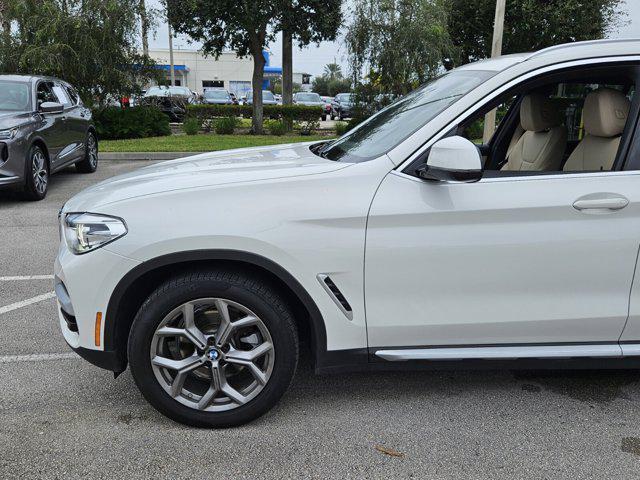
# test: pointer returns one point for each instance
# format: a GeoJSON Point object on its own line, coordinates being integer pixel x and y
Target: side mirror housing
{"type": "Point", "coordinates": [51, 107]}
{"type": "Point", "coordinates": [453, 159]}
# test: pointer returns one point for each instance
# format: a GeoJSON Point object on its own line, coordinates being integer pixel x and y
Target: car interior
{"type": "Point", "coordinates": [573, 121]}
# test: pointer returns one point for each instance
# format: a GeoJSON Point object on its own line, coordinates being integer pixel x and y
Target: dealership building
{"type": "Point", "coordinates": [197, 71]}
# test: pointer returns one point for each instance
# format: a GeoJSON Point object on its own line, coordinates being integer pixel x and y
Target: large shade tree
{"type": "Point", "coordinates": [529, 25]}
{"type": "Point", "coordinates": [90, 43]}
{"type": "Point", "coordinates": [241, 26]}
{"type": "Point", "coordinates": [396, 45]}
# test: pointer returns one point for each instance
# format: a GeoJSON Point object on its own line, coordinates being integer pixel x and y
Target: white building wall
{"type": "Point", "coordinates": [228, 68]}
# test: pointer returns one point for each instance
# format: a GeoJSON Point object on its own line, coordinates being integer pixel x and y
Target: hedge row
{"type": "Point", "coordinates": [298, 113]}
{"type": "Point", "coordinates": [136, 122]}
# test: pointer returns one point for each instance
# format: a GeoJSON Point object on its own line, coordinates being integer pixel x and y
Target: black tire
{"type": "Point", "coordinates": [242, 288]}
{"type": "Point", "coordinates": [324, 118]}
{"type": "Point", "coordinates": [36, 190]}
{"type": "Point", "coordinates": [89, 163]}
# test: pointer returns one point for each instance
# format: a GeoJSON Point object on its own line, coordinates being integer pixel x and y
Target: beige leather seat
{"type": "Point", "coordinates": [544, 140]}
{"type": "Point", "coordinates": [605, 115]}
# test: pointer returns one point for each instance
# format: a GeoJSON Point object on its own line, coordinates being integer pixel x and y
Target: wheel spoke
{"type": "Point", "coordinates": [193, 333]}
{"type": "Point", "coordinates": [184, 365]}
{"type": "Point", "coordinates": [233, 394]}
{"type": "Point", "coordinates": [217, 378]}
{"type": "Point", "coordinates": [249, 355]}
{"type": "Point", "coordinates": [247, 321]}
{"type": "Point", "coordinates": [224, 330]}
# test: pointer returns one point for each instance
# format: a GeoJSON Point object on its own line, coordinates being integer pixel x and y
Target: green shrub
{"type": "Point", "coordinates": [226, 125]}
{"type": "Point", "coordinates": [341, 128]}
{"type": "Point", "coordinates": [276, 127]}
{"type": "Point", "coordinates": [208, 114]}
{"type": "Point", "coordinates": [191, 126]}
{"type": "Point", "coordinates": [114, 123]}
{"type": "Point", "coordinates": [308, 127]}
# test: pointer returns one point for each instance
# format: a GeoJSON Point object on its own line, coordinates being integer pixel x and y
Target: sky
{"type": "Point", "coordinates": [312, 59]}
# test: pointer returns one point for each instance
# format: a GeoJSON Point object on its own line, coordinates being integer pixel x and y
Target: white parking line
{"type": "Point", "coordinates": [24, 303]}
{"type": "Point", "coordinates": [38, 357]}
{"type": "Point", "coordinates": [19, 278]}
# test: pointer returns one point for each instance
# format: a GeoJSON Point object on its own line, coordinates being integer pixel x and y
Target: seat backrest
{"type": "Point", "coordinates": [544, 140]}
{"type": "Point", "coordinates": [605, 115]}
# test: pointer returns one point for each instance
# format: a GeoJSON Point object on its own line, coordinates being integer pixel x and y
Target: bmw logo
{"type": "Point", "coordinates": [213, 354]}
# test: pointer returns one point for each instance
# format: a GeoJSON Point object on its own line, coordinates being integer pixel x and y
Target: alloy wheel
{"type": "Point", "coordinates": [92, 147]}
{"type": "Point", "coordinates": [212, 354]}
{"type": "Point", "coordinates": [39, 171]}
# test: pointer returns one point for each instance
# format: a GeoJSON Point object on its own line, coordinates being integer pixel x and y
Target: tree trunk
{"type": "Point", "coordinates": [144, 25]}
{"type": "Point", "coordinates": [258, 77]}
{"type": "Point", "coordinates": [287, 73]}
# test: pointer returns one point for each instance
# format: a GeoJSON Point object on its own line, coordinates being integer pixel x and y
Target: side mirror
{"type": "Point", "coordinates": [453, 159]}
{"type": "Point", "coordinates": [51, 107]}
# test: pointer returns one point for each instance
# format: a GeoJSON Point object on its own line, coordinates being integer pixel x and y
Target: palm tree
{"type": "Point", "coordinates": [333, 71]}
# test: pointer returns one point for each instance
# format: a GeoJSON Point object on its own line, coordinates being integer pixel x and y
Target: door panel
{"type": "Point", "coordinates": [501, 261]}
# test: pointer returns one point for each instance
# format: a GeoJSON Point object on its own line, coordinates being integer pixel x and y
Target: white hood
{"type": "Point", "coordinates": [207, 169]}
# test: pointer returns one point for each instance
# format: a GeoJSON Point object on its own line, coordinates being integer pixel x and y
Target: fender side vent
{"type": "Point", "coordinates": [337, 296]}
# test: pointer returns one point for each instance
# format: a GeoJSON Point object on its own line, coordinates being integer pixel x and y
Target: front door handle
{"type": "Point", "coordinates": [601, 203]}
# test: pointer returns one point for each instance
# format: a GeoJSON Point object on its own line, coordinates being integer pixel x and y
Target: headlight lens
{"type": "Point", "coordinates": [84, 232]}
{"type": "Point", "coordinates": [8, 134]}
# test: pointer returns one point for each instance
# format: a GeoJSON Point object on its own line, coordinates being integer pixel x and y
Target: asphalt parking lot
{"type": "Point", "coordinates": [63, 418]}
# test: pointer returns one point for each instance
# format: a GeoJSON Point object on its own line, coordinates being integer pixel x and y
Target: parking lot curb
{"type": "Point", "coordinates": [128, 156]}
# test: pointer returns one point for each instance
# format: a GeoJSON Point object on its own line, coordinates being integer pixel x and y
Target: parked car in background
{"type": "Point", "coordinates": [44, 127]}
{"type": "Point", "coordinates": [342, 106]}
{"type": "Point", "coordinates": [172, 101]}
{"type": "Point", "coordinates": [310, 99]}
{"type": "Point", "coordinates": [268, 98]}
{"type": "Point", "coordinates": [217, 96]}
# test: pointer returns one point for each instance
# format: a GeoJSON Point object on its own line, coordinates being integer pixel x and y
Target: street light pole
{"type": "Point", "coordinates": [496, 51]}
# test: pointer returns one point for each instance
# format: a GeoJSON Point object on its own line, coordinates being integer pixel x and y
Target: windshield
{"type": "Point", "coordinates": [216, 94]}
{"type": "Point", "coordinates": [15, 96]}
{"type": "Point", "coordinates": [308, 97]}
{"type": "Point", "coordinates": [344, 97]}
{"type": "Point", "coordinates": [395, 123]}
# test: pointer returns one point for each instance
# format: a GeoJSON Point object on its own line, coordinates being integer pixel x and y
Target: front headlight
{"type": "Point", "coordinates": [8, 134]}
{"type": "Point", "coordinates": [84, 232]}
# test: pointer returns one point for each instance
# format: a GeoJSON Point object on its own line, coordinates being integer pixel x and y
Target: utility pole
{"type": "Point", "coordinates": [496, 51]}
{"type": "Point", "coordinates": [172, 70]}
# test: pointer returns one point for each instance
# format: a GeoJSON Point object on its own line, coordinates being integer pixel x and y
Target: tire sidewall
{"type": "Point", "coordinates": [151, 314]}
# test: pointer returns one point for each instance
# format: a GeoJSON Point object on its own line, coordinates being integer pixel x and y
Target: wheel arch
{"type": "Point", "coordinates": [135, 287]}
{"type": "Point", "coordinates": [39, 142]}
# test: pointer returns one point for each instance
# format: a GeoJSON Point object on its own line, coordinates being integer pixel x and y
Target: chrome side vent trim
{"type": "Point", "coordinates": [336, 295]}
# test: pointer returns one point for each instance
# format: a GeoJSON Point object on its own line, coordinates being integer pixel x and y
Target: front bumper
{"type": "Point", "coordinates": [84, 285]}
{"type": "Point", "coordinates": [12, 162]}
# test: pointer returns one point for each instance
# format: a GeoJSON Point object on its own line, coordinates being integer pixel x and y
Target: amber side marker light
{"type": "Point", "coordinates": [98, 328]}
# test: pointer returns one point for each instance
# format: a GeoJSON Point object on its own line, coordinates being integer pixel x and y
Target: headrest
{"type": "Point", "coordinates": [605, 112]}
{"type": "Point", "coordinates": [538, 113]}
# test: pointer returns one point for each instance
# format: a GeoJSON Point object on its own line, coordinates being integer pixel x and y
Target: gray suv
{"type": "Point", "coordinates": [44, 127]}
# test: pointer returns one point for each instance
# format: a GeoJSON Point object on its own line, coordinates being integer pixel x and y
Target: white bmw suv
{"type": "Point", "coordinates": [408, 243]}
